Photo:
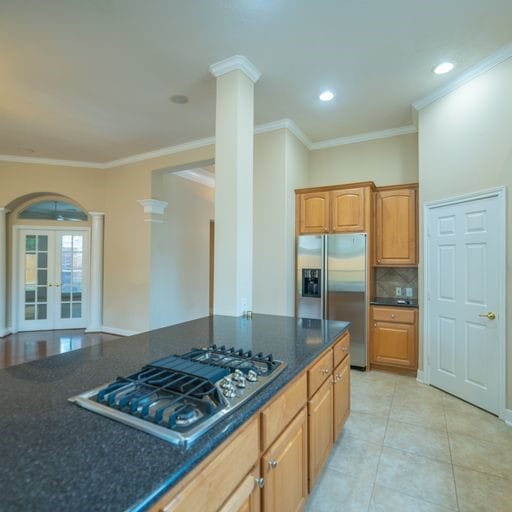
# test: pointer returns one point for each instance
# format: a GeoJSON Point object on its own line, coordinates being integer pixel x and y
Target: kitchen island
{"type": "Point", "coordinates": [57, 456]}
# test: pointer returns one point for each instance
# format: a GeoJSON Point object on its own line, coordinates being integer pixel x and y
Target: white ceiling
{"type": "Point", "coordinates": [90, 80]}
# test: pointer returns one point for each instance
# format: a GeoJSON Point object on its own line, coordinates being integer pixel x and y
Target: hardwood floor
{"type": "Point", "coordinates": [28, 346]}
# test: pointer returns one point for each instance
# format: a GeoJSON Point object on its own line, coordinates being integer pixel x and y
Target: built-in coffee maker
{"type": "Point", "coordinates": [311, 279]}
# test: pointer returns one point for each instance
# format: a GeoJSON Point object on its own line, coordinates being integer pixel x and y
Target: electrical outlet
{"type": "Point", "coordinates": [398, 291]}
{"type": "Point", "coordinates": [408, 292]}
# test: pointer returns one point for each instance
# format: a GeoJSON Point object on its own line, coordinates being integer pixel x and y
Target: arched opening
{"type": "Point", "coordinates": [48, 254]}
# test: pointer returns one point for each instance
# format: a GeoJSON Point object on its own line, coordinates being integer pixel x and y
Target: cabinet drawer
{"type": "Point", "coordinates": [211, 486]}
{"type": "Point", "coordinates": [401, 315]}
{"type": "Point", "coordinates": [320, 371]}
{"type": "Point", "coordinates": [341, 349]}
{"type": "Point", "coordinates": [282, 410]}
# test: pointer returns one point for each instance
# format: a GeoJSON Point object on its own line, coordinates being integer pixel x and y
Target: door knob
{"type": "Point", "coordinates": [490, 315]}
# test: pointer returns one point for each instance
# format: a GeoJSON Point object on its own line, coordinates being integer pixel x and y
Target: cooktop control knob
{"type": "Point", "coordinates": [252, 376]}
{"type": "Point", "coordinates": [224, 383]}
{"type": "Point", "coordinates": [238, 374]}
{"type": "Point", "coordinates": [229, 392]}
{"type": "Point", "coordinates": [241, 382]}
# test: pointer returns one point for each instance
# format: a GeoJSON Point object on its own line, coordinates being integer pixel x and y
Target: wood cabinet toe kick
{"type": "Point", "coordinates": [272, 462]}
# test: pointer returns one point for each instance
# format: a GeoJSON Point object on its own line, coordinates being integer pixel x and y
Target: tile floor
{"type": "Point", "coordinates": [28, 346]}
{"type": "Point", "coordinates": [407, 447]}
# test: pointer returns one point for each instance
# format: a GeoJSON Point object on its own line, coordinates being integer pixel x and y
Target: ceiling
{"type": "Point", "coordinates": [91, 80]}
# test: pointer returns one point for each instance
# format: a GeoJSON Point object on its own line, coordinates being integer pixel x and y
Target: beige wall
{"type": "Point", "coordinates": [280, 166]}
{"type": "Point", "coordinates": [83, 185]}
{"type": "Point", "coordinates": [180, 253]}
{"type": "Point", "coordinates": [465, 145]}
{"type": "Point", "coordinates": [385, 161]}
{"type": "Point", "coordinates": [127, 253]}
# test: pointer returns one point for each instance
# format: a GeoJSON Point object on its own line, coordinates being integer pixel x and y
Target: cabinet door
{"type": "Point", "coordinates": [246, 497]}
{"type": "Point", "coordinates": [396, 227]}
{"type": "Point", "coordinates": [320, 422]}
{"type": "Point", "coordinates": [348, 210]}
{"type": "Point", "coordinates": [341, 389]}
{"type": "Point", "coordinates": [284, 468]}
{"type": "Point", "coordinates": [314, 212]}
{"type": "Point", "coordinates": [394, 344]}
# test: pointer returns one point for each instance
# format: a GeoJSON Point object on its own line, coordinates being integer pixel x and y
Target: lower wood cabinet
{"type": "Point", "coordinates": [394, 338]}
{"type": "Point", "coordinates": [285, 468]}
{"type": "Point", "coordinates": [280, 451]}
{"type": "Point", "coordinates": [341, 396]}
{"type": "Point", "coordinates": [320, 422]}
{"type": "Point", "coordinates": [246, 497]}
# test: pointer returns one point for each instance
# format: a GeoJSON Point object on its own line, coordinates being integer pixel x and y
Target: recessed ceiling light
{"type": "Point", "coordinates": [444, 67]}
{"type": "Point", "coordinates": [180, 99]}
{"type": "Point", "coordinates": [326, 96]}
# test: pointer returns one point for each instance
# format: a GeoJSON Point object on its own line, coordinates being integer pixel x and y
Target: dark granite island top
{"type": "Point", "coordinates": [57, 456]}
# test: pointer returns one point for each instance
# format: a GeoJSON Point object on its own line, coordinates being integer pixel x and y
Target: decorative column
{"type": "Point", "coordinates": [3, 272]}
{"type": "Point", "coordinates": [96, 289]}
{"type": "Point", "coordinates": [234, 137]}
{"type": "Point", "coordinates": [154, 209]}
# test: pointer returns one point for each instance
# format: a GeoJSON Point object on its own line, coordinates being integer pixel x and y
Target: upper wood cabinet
{"type": "Point", "coordinates": [334, 210]}
{"type": "Point", "coordinates": [314, 212]}
{"type": "Point", "coordinates": [396, 226]}
{"type": "Point", "coordinates": [348, 210]}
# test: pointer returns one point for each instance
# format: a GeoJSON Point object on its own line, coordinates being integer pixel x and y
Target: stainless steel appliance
{"type": "Point", "coordinates": [178, 398]}
{"type": "Point", "coordinates": [332, 284]}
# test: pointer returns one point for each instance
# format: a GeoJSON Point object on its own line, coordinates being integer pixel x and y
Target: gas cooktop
{"type": "Point", "coordinates": [180, 397]}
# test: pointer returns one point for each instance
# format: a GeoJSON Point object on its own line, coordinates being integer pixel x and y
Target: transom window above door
{"type": "Point", "coordinates": [53, 210]}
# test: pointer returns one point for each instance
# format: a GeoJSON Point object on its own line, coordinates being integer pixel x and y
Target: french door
{"type": "Point", "coordinates": [53, 279]}
{"type": "Point", "coordinates": [465, 252]}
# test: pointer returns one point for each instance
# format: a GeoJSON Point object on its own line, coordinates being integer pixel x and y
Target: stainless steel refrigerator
{"type": "Point", "coordinates": [332, 284]}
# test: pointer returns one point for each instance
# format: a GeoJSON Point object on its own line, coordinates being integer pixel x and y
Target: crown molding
{"type": "Point", "coordinates": [233, 63]}
{"type": "Point", "coordinates": [499, 56]}
{"type": "Point", "coordinates": [286, 124]}
{"type": "Point", "coordinates": [198, 175]}
{"type": "Point", "coordinates": [52, 161]}
{"type": "Point", "coordinates": [363, 137]}
{"type": "Point", "coordinates": [194, 144]}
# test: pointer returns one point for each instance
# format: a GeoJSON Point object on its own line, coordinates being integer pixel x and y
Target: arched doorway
{"type": "Point", "coordinates": [51, 283]}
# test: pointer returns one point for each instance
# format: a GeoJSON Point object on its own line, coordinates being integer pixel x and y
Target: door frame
{"type": "Point", "coordinates": [500, 194]}
{"type": "Point", "coordinates": [15, 268]}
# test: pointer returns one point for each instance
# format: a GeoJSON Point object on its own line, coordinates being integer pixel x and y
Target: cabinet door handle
{"type": "Point", "coordinates": [392, 315]}
{"type": "Point", "coordinates": [260, 482]}
{"type": "Point", "coordinates": [325, 371]}
{"type": "Point", "coordinates": [374, 325]}
{"type": "Point", "coordinates": [272, 463]}
{"type": "Point", "coordinates": [344, 349]}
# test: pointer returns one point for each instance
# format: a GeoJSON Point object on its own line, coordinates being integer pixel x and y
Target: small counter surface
{"type": "Point", "coordinates": [57, 456]}
{"type": "Point", "coordinates": [389, 301]}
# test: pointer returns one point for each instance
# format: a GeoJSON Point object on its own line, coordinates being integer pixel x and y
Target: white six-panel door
{"type": "Point", "coordinates": [463, 292]}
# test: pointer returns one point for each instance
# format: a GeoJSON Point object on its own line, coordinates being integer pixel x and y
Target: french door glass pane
{"type": "Point", "coordinates": [36, 277]}
{"type": "Point", "coordinates": [71, 276]}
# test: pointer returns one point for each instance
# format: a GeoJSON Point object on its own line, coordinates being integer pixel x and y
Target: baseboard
{"type": "Point", "coordinates": [507, 417]}
{"type": "Point", "coordinates": [120, 332]}
{"type": "Point", "coordinates": [420, 376]}
{"type": "Point", "coordinates": [5, 332]}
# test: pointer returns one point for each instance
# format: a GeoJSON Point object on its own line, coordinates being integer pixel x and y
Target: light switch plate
{"type": "Point", "coordinates": [408, 292]}
{"type": "Point", "coordinates": [398, 291]}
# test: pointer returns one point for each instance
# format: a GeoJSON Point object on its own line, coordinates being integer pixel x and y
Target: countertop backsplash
{"type": "Point", "coordinates": [388, 279]}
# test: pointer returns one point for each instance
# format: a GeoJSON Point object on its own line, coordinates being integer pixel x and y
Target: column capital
{"type": "Point", "coordinates": [4, 210]}
{"type": "Point", "coordinates": [96, 214]}
{"type": "Point", "coordinates": [233, 63]}
{"type": "Point", "coordinates": [153, 205]}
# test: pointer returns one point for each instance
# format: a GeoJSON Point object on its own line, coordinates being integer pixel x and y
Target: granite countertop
{"type": "Point", "coordinates": [390, 301]}
{"type": "Point", "coordinates": [57, 456]}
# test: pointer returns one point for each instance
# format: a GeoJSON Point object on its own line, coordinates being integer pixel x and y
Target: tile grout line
{"type": "Point", "coordinates": [451, 457]}
{"type": "Point", "coordinates": [381, 448]}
